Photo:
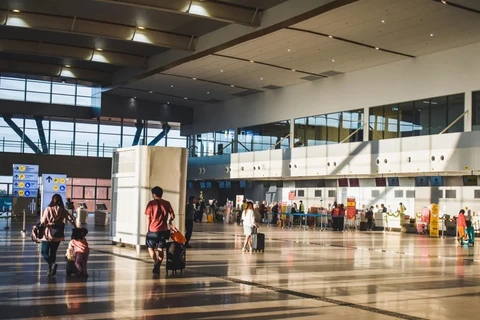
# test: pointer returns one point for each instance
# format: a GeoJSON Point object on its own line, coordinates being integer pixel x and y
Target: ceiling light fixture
{"type": "Point", "coordinates": [252, 61]}
{"type": "Point", "coordinates": [150, 91]}
{"type": "Point", "coordinates": [208, 92]}
{"type": "Point", "coordinates": [294, 70]}
{"type": "Point", "coordinates": [171, 86]}
{"type": "Point", "coordinates": [383, 21]}
{"type": "Point", "coordinates": [221, 70]}
{"type": "Point", "coordinates": [141, 28]}
{"type": "Point", "coordinates": [168, 102]}
{"type": "Point", "coordinates": [431, 34]}
{"type": "Point", "coordinates": [99, 49]}
{"type": "Point", "coordinates": [67, 66]}
{"type": "Point", "coordinates": [331, 37]}
{"type": "Point", "coordinates": [232, 86]}
{"type": "Point", "coordinates": [185, 98]}
{"type": "Point", "coordinates": [261, 78]}
{"type": "Point", "coordinates": [444, 2]}
{"type": "Point", "coordinates": [377, 48]}
{"type": "Point", "coordinates": [16, 10]}
{"type": "Point", "coordinates": [134, 97]}
{"type": "Point", "coordinates": [333, 60]}
{"type": "Point", "coordinates": [194, 78]}
{"type": "Point", "coordinates": [289, 50]}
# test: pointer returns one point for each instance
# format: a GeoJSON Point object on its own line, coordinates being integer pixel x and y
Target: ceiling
{"type": "Point", "coordinates": [135, 34]}
{"type": "Point", "coordinates": [302, 52]}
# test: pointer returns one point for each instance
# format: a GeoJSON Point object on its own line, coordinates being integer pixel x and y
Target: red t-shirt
{"type": "Point", "coordinates": [158, 211]}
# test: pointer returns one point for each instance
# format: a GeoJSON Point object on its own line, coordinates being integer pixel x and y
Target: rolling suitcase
{"type": "Point", "coordinates": [258, 241]}
{"type": "Point", "coordinates": [363, 226]}
{"type": "Point", "coordinates": [176, 257]}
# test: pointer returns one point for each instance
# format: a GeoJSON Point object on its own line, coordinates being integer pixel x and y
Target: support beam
{"type": "Point", "coordinates": [21, 134]}
{"type": "Point", "coordinates": [157, 139]}
{"type": "Point", "coordinates": [139, 125]}
{"type": "Point", "coordinates": [41, 133]}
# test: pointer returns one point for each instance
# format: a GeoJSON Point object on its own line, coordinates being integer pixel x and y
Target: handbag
{"type": "Point", "coordinates": [176, 235]}
{"type": "Point", "coordinates": [38, 231]}
{"type": "Point", "coordinates": [55, 231]}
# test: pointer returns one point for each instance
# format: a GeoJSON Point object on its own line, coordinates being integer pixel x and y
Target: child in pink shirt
{"type": "Point", "coordinates": [461, 224]}
{"type": "Point", "coordinates": [80, 247]}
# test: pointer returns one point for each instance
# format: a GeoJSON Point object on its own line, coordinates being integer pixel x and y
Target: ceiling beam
{"type": "Point", "coordinates": [70, 52]}
{"type": "Point", "coordinates": [286, 14]}
{"type": "Point", "coordinates": [96, 28]}
{"type": "Point", "coordinates": [51, 70]}
{"type": "Point", "coordinates": [213, 10]}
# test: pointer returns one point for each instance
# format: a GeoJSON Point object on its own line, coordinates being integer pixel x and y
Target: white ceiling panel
{"type": "Point", "coordinates": [161, 99]}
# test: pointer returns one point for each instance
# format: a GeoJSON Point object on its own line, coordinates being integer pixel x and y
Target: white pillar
{"type": "Point", "coordinates": [366, 128]}
{"type": "Point", "coordinates": [292, 133]}
{"type": "Point", "coordinates": [467, 119]}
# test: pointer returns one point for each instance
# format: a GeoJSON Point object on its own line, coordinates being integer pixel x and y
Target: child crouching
{"type": "Point", "coordinates": [80, 247]}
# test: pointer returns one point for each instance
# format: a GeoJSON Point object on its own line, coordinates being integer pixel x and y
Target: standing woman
{"type": "Point", "coordinates": [248, 218]}
{"type": "Point", "coordinates": [53, 219]}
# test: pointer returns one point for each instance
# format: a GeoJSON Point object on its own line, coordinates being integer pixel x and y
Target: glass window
{"type": "Point", "coordinates": [38, 97]}
{"type": "Point", "coordinates": [406, 119]}
{"type": "Point", "coordinates": [86, 139]}
{"type": "Point", "coordinates": [12, 95]}
{"type": "Point", "coordinates": [476, 111]}
{"type": "Point", "coordinates": [333, 123]}
{"type": "Point", "coordinates": [63, 88]}
{"type": "Point", "coordinates": [391, 121]}
{"type": "Point", "coordinates": [38, 86]}
{"type": "Point", "coordinates": [456, 106]}
{"type": "Point", "coordinates": [438, 114]}
{"type": "Point", "coordinates": [62, 99]}
{"type": "Point", "coordinates": [12, 83]}
{"type": "Point", "coordinates": [84, 91]}
{"type": "Point", "coordinates": [84, 101]}
{"type": "Point", "coordinates": [422, 117]}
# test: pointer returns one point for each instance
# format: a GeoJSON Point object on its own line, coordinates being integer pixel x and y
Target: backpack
{"type": "Point", "coordinates": [38, 232]}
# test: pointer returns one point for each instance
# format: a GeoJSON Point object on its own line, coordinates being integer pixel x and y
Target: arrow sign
{"type": "Point", "coordinates": [16, 184]}
{"type": "Point", "coordinates": [15, 193]}
{"type": "Point", "coordinates": [16, 176]}
{"type": "Point", "coordinates": [49, 179]}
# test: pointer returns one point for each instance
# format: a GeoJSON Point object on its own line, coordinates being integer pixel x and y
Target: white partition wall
{"type": "Point", "coordinates": [135, 171]}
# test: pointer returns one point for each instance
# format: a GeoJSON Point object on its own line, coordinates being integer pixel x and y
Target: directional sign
{"type": "Point", "coordinates": [52, 184]}
{"type": "Point", "coordinates": [25, 181]}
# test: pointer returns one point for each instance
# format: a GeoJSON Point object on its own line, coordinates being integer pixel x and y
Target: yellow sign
{"type": "Point", "coordinates": [55, 180]}
{"type": "Point", "coordinates": [434, 220]}
{"type": "Point", "coordinates": [351, 204]}
{"type": "Point", "coordinates": [22, 176]}
{"type": "Point", "coordinates": [62, 180]}
{"type": "Point", "coordinates": [55, 188]}
{"type": "Point", "coordinates": [21, 193]}
{"type": "Point", "coordinates": [22, 168]}
{"type": "Point", "coordinates": [21, 184]}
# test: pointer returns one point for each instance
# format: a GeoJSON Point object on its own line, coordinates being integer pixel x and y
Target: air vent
{"type": "Point", "coordinates": [213, 101]}
{"type": "Point", "coordinates": [244, 93]}
{"type": "Point", "coordinates": [272, 87]}
{"type": "Point", "coordinates": [331, 73]}
{"type": "Point", "coordinates": [311, 78]}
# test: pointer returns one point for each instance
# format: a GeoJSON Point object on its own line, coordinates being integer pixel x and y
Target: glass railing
{"type": "Point", "coordinates": [66, 149]}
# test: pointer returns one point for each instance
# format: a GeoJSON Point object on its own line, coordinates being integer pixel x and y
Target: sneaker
{"type": "Point", "coordinates": [54, 269]}
{"type": "Point", "coordinates": [156, 268]}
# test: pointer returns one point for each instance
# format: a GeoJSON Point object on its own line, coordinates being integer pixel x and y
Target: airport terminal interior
{"type": "Point", "coordinates": [352, 126]}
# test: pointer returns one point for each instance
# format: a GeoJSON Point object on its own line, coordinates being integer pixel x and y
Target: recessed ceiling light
{"type": "Point", "coordinates": [221, 70]}
{"type": "Point", "coordinates": [134, 97]}
{"type": "Point", "coordinates": [67, 66]}
{"type": "Point", "coordinates": [289, 50]}
{"type": "Point", "coordinates": [168, 102]}
{"type": "Point", "coordinates": [171, 86]}
{"type": "Point", "coordinates": [185, 98]}
{"type": "Point", "coordinates": [252, 61]}
{"type": "Point", "coordinates": [333, 60]}
{"type": "Point", "coordinates": [16, 10]}
{"type": "Point", "coordinates": [141, 28]}
{"type": "Point", "coordinates": [331, 37]}
{"type": "Point", "coordinates": [232, 86]}
{"type": "Point", "coordinates": [377, 48]}
{"type": "Point", "coordinates": [194, 78]}
{"type": "Point", "coordinates": [383, 21]}
{"type": "Point", "coordinates": [431, 34]}
{"type": "Point", "coordinates": [444, 2]}
{"type": "Point", "coordinates": [99, 49]}
{"type": "Point", "coordinates": [294, 70]}
{"type": "Point", "coordinates": [150, 91]}
{"type": "Point", "coordinates": [208, 92]}
{"type": "Point", "coordinates": [261, 78]}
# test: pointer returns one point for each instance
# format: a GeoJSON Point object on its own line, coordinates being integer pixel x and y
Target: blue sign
{"type": "Point", "coordinates": [25, 168]}
{"type": "Point", "coordinates": [53, 184]}
{"type": "Point", "coordinates": [62, 188]}
{"type": "Point", "coordinates": [25, 180]}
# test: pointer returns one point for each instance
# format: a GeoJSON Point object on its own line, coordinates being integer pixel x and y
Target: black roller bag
{"type": "Point", "coordinates": [176, 257]}
{"type": "Point", "coordinates": [258, 241]}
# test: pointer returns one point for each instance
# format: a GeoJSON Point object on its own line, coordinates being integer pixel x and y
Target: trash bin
{"type": "Point", "coordinates": [101, 214]}
{"type": "Point", "coordinates": [82, 214]}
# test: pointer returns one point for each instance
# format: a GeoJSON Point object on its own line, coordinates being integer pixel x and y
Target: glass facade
{"type": "Point", "coordinates": [47, 90]}
{"type": "Point", "coordinates": [264, 137]}
{"type": "Point", "coordinates": [476, 111]}
{"type": "Point", "coordinates": [416, 118]}
{"type": "Point", "coordinates": [83, 137]}
{"type": "Point", "coordinates": [329, 128]}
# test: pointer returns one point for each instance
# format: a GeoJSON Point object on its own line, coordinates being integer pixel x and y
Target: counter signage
{"type": "Point", "coordinates": [434, 220]}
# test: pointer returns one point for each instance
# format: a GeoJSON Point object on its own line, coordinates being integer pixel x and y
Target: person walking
{"type": "Point", "coordinates": [79, 245]}
{"type": "Point", "coordinates": [369, 216]}
{"type": "Point", "coordinates": [189, 216]}
{"type": "Point", "coordinates": [159, 217]}
{"type": "Point", "coordinates": [248, 218]}
{"type": "Point", "coordinates": [461, 225]}
{"type": "Point", "coordinates": [53, 218]}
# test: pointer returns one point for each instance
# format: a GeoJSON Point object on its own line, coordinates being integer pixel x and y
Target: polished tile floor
{"type": "Point", "coordinates": [301, 275]}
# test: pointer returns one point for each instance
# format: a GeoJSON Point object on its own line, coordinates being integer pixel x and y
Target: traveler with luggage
{"type": "Point", "coordinates": [248, 218]}
{"type": "Point", "coordinates": [275, 213]}
{"type": "Point", "coordinates": [81, 251]}
{"type": "Point", "coordinates": [461, 225]}
{"type": "Point", "coordinates": [53, 219]}
{"type": "Point", "coordinates": [159, 217]}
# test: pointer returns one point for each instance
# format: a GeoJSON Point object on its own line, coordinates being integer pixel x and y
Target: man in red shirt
{"type": "Point", "coordinates": [158, 226]}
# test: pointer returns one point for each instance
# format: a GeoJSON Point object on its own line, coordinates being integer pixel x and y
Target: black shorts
{"type": "Point", "coordinates": [156, 240]}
